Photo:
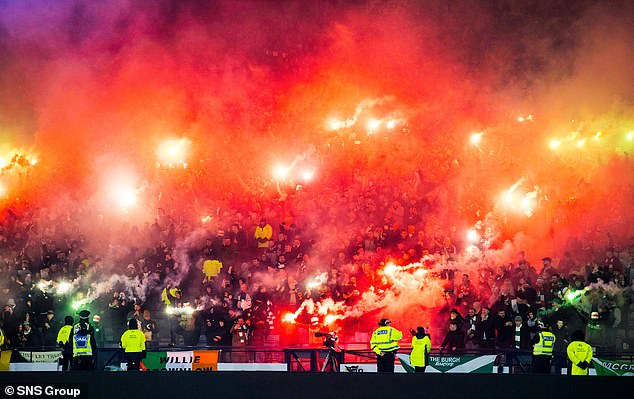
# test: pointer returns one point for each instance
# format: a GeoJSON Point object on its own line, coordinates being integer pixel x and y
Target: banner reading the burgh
{"type": "Point", "coordinates": [454, 364]}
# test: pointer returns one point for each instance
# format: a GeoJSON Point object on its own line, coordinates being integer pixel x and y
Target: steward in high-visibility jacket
{"type": "Point", "coordinates": [133, 341]}
{"type": "Point", "coordinates": [579, 353]}
{"type": "Point", "coordinates": [544, 342]}
{"type": "Point", "coordinates": [1, 338]}
{"type": "Point", "coordinates": [421, 346]}
{"type": "Point", "coordinates": [384, 343]}
{"type": "Point", "coordinates": [84, 343]}
{"type": "Point", "coordinates": [63, 340]}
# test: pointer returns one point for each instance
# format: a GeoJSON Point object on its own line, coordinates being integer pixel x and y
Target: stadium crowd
{"type": "Point", "coordinates": [228, 279]}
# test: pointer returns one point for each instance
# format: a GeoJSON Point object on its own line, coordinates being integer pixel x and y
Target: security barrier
{"type": "Point", "coordinates": [306, 359]}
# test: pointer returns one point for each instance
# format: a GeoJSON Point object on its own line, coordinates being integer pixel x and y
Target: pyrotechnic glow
{"type": "Point", "coordinates": [173, 151]}
{"type": "Point", "coordinates": [331, 318]}
{"type": "Point", "coordinates": [472, 235]}
{"type": "Point", "coordinates": [598, 135]}
{"type": "Point", "coordinates": [476, 138]}
{"type": "Point", "coordinates": [390, 269]}
{"type": "Point", "coordinates": [572, 296]}
{"type": "Point", "coordinates": [289, 318]}
{"type": "Point", "coordinates": [373, 124]}
{"type": "Point", "coordinates": [472, 249]}
{"type": "Point", "coordinates": [317, 281]}
{"type": "Point", "coordinates": [3, 190]}
{"type": "Point", "coordinates": [554, 144]}
{"type": "Point", "coordinates": [508, 196]}
{"type": "Point", "coordinates": [280, 172]}
{"type": "Point", "coordinates": [525, 118]}
{"type": "Point", "coordinates": [524, 203]}
{"type": "Point", "coordinates": [17, 160]}
{"type": "Point", "coordinates": [391, 124]}
{"type": "Point", "coordinates": [308, 175]}
{"type": "Point", "coordinates": [79, 303]}
{"type": "Point", "coordinates": [63, 287]}
{"type": "Point", "coordinates": [581, 143]}
{"type": "Point", "coordinates": [336, 124]}
{"type": "Point", "coordinates": [127, 198]}
{"type": "Point", "coordinates": [186, 309]}
{"type": "Point", "coordinates": [420, 273]}
{"type": "Point", "coordinates": [205, 219]}
{"type": "Point", "coordinates": [43, 285]}
{"type": "Point", "coordinates": [630, 136]}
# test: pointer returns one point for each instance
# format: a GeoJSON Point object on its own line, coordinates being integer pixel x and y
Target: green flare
{"type": "Point", "coordinates": [573, 296]}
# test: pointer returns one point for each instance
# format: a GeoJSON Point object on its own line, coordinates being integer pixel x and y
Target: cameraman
{"type": "Point", "coordinates": [384, 343]}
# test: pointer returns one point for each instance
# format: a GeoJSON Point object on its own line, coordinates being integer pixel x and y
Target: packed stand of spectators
{"type": "Point", "coordinates": [505, 310]}
{"type": "Point", "coordinates": [241, 269]}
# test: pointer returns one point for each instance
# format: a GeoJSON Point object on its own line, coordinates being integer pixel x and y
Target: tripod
{"type": "Point", "coordinates": [332, 361]}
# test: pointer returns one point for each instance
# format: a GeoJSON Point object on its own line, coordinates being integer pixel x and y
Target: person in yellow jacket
{"type": "Point", "coordinates": [579, 353]}
{"type": "Point", "coordinates": [543, 344]}
{"type": "Point", "coordinates": [1, 338]}
{"type": "Point", "coordinates": [421, 346]}
{"type": "Point", "coordinates": [84, 344]}
{"type": "Point", "coordinates": [133, 342]}
{"type": "Point", "coordinates": [384, 343]}
{"type": "Point", "coordinates": [263, 234]}
{"type": "Point", "coordinates": [172, 299]}
{"type": "Point", "coordinates": [63, 340]}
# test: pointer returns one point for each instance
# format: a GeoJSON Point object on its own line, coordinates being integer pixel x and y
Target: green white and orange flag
{"type": "Point", "coordinates": [203, 360]}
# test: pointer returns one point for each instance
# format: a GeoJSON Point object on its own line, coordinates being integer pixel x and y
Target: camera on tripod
{"type": "Point", "coordinates": [330, 339]}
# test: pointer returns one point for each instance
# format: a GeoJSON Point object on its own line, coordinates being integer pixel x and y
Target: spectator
{"type": "Point", "coordinates": [594, 332]}
{"type": "Point", "coordinates": [503, 330]}
{"type": "Point", "coordinates": [49, 330]}
{"type": "Point", "coordinates": [240, 334]}
{"type": "Point", "coordinates": [263, 234]}
{"type": "Point", "coordinates": [454, 339]}
{"type": "Point", "coordinates": [149, 327]}
{"type": "Point", "coordinates": [562, 336]}
{"type": "Point", "coordinates": [522, 336]}
{"type": "Point", "coordinates": [485, 330]}
{"type": "Point", "coordinates": [469, 328]}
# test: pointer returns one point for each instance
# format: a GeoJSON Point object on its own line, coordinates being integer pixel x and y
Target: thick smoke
{"type": "Point", "coordinates": [93, 88]}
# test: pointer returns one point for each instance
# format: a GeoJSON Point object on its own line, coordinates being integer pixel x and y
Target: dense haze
{"type": "Point", "coordinates": [92, 88]}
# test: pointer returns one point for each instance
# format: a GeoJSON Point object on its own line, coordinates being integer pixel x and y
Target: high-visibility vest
{"type": "Point", "coordinates": [385, 339]}
{"type": "Point", "coordinates": [420, 348]}
{"type": "Point", "coordinates": [64, 334]}
{"type": "Point", "coordinates": [579, 351]}
{"type": "Point", "coordinates": [1, 337]}
{"type": "Point", "coordinates": [81, 345]}
{"type": "Point", "coordinates": [545, 344]}
{"type": "Point", "coordinates": [133, 341]}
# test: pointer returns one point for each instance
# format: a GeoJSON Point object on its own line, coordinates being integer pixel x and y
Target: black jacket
{"type": "Point", "coordinates": [453, 339]}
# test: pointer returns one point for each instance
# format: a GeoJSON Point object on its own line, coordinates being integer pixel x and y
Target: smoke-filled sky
{"type": "Point", "coordinates": [92, 88]}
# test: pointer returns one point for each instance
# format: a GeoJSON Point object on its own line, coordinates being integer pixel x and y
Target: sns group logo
{"type": "Point", "coordinates": [39, 390]}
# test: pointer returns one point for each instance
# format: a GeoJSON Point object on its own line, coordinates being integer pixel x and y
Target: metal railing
{"type": "Point", "coordinates": [311, 359]}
